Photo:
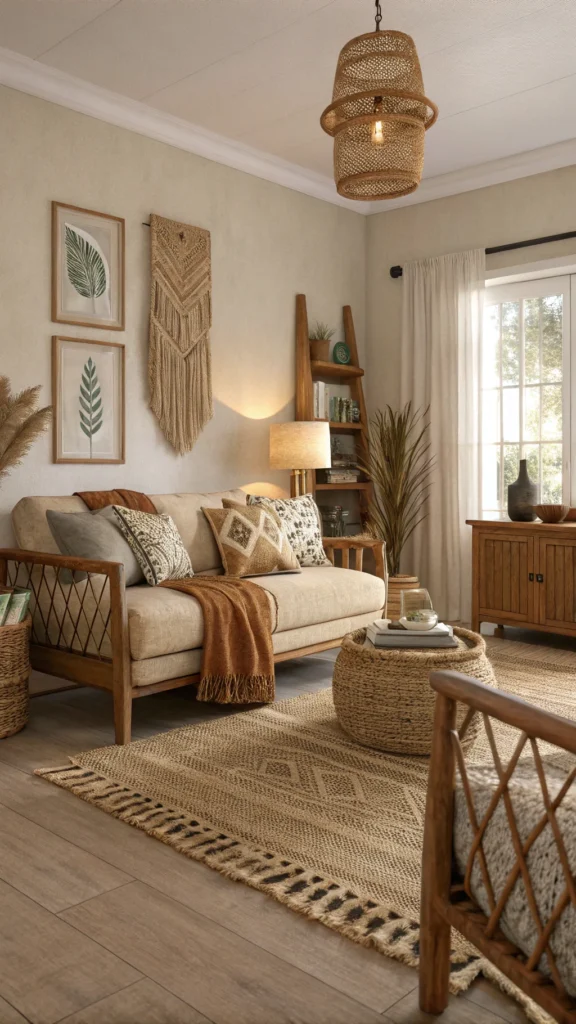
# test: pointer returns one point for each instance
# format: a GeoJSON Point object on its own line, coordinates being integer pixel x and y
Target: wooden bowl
{"type": "Point", "coordinates": [551, 513]}
{"type": "Point", "coordinates": [571, 517]}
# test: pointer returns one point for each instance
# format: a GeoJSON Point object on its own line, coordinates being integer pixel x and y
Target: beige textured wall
{"type": "Point", "coordinates": [543, 204]}
{"type": "Point", "coordinates": [268, 244]}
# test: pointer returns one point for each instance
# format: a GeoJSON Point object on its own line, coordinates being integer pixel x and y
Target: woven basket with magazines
{"type": "Point", "coordinates": [14, 673]}
{"type": "Point", "coordinates": [383, 698]}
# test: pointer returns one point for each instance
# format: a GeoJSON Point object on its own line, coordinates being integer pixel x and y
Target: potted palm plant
{"type": "Point", "coordinates": [319, 336]}
{"type": "Point", "coordinates": [399, 465]}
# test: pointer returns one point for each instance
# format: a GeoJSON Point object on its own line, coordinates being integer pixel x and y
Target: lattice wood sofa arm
{"type": "Point", "coordinates": [447, 902]}
{"type": "Point", "coordinates": [79, 626]}
{"type": "Point", "coordinates": [359, 545]}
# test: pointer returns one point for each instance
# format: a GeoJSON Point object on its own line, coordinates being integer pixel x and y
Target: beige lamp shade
{"type": "Point", "coordinates": [300, 445]}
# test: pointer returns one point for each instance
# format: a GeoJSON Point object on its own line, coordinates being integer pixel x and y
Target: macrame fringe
{"type": "Point", "coordinates": [236, 689]}
{"type": "Point", "coordinates": [180, 390]}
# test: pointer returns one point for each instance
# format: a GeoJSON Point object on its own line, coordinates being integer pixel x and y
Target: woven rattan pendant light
{"type": "Point", "coordinates": [378, 116]}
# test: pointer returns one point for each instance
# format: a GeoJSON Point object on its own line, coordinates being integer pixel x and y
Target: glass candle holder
{"type": "Point", "coordinates": [416, 611]}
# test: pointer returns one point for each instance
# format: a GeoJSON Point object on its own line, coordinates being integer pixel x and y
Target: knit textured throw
{"type": "Point", "coordinates": [179, 368]}
{"type": "Point", "coordinates": [237, 656]}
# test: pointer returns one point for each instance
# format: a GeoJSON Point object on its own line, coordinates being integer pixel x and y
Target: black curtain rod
{"type": "Point", "coordinates": [397, 271]}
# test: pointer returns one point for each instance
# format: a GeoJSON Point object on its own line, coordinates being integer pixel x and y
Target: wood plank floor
{"type": "Point", "coordinates": [99, 924]}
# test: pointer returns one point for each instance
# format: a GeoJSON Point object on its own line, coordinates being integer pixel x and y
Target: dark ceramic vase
{"type": "Point", "coordinates": [522, 496]}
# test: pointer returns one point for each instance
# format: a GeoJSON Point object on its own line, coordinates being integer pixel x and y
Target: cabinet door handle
{"type": "Point", "coordinates": [531, 577]}
{"type": "Point", "coordinates": [539, 578]}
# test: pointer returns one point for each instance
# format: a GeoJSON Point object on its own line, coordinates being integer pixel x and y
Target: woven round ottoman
{"type": "Point", "coordinates": [383, 698]}
{"type": "Point", "coordinates": [14, 673]}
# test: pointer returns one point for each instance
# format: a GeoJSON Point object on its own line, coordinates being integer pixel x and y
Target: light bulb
{"type": "Point", "coordinates": [378, 126]}
{"type": "Point", "coordinates": [378, 133]}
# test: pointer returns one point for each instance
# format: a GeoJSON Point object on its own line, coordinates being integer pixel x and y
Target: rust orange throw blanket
{"type": "Point", "coordinates": [237, 657]}
{"type": "Point", "coordinates": [128, 499]}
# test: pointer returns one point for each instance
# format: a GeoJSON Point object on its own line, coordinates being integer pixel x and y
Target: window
{"type": "Point", "coordinates": [525, 408]}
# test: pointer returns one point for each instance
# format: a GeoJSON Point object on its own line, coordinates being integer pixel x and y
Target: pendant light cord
{"type": "Point", "coordinates": [378, 15]}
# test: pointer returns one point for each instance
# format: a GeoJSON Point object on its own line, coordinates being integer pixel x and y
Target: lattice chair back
{"type": "Point", "coordinates": [513, 837]}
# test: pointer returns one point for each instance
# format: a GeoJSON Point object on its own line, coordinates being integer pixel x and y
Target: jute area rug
{"type": "Point", "coordinates": [280, 799]}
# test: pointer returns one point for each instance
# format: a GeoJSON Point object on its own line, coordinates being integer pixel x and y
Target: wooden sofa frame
{"type": "Point", "coordinates": [446, 899]}
{"type": "Point", "coordinates": [57, 614]}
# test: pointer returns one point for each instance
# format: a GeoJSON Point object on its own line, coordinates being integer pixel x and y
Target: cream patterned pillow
{"type": "Point", "coordinates": [155, 541]}
{"type": "Point", "coordinates": [301, 523]}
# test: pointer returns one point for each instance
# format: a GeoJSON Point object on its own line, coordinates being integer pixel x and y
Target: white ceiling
{"type": "Point", "coordinates": [260, 72]}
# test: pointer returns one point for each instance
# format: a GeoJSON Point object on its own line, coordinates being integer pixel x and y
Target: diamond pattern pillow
{"type": "Point", "coordinates": [302, 525]}
{"type": "Point", "coordinates": [251, 540]}
{"type": "Point", "coordinates": [155, 541]}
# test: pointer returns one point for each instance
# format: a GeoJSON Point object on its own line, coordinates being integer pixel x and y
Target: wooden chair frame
{"type": "Point", "coordinates": [67, 639]}
{"type": "Point", "coordinates": [447, 901]}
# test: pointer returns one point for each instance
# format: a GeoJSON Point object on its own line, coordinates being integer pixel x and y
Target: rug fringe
{"type": "Point", "coordinates": [534, 1012]}
{"type": "Point", "coordinates": [362, 920]}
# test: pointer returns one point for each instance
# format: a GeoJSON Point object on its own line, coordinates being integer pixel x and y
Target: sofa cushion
{"type": "Point", "coordinates": [166, 622]}
{"type": "Point", "coordinates": [323, 593]}
{"type": "Point", "coordinates": [197, 537]}
{"type": "Point", "coordinates": [156, 543]}
{"type": "Point", "coordinates": [33, 533]}
{"type": "Point", "coordinates": [185, 663]}
{"type": "Point", "coordinates": [302, 525]}
{"type": "Point", "coordinates": [251, 540]}
{"type": "Point", "coordinates": [93, 535]}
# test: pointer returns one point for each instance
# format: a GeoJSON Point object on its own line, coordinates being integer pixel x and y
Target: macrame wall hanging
{"type": "Point", "coordinates": [179, 369]}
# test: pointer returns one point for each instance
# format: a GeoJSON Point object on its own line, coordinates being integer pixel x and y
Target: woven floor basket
{"type": "Point", "coordinates": [14, 673]}
{"type": "Point", "coordinates": [383, 698]}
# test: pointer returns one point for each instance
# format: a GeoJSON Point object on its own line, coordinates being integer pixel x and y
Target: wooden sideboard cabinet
{"type": "Point", "coordinates": [524, 574]}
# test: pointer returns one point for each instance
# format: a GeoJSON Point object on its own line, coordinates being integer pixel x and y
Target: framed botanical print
{"type": "Point", "coordinates": [88, 400]}
{"type": "Point", "coordinates": [87, 268]}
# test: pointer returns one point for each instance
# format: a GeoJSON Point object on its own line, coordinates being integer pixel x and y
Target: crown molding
{"type": "Point", "coordinates": [30, 76]}
{"type": "Point", "coordinates": [520, 165]}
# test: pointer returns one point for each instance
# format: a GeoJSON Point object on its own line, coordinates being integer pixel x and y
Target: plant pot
{"type": "Point", "coordinates": [320, 350]}
{"type": "Point", "coordinates": [395, 585]}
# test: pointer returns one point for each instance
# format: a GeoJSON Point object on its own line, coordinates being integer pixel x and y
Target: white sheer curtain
{"type": "Point", "coordinates": [440, 368]}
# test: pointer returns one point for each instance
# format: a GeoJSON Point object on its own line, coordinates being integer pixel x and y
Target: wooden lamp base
{"type": "Point", "coordinates": [298, 482]}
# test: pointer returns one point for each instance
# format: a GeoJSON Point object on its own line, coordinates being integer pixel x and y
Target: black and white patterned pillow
{"type": "Point", "coordinates": [155, 541]}
{"type": "Point", "coordinates": [302, 525]}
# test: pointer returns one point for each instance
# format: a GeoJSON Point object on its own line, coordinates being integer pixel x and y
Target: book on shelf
{"type": "Point", "coordinates": [342, 476]}
{"type": "Point", "coordinates": [321, 400]}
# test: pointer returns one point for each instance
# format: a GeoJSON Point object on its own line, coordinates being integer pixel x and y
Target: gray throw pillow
{"type": "Point", "coordinates": [93, 535]}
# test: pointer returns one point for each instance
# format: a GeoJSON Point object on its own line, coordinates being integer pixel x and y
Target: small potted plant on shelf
{"type": "Point", "coordinates": [399, 466]}
{"type": "Point", "coordinates": [320, 335]}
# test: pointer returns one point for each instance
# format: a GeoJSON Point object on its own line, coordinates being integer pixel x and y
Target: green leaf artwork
{"type": "Point", "coordinates": [87, 271]}
{"type": "Point", "coordinates": [90, 402]}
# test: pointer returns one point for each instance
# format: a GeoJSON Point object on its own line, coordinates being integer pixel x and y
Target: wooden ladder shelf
{"type": "Point", "coordinates": [308, 370]}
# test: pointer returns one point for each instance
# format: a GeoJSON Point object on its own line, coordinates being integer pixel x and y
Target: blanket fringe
{"type": "Point", "coordinates": [236, 689]}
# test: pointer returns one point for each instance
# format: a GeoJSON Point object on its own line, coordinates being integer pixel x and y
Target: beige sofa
{"type": "Point", "coordinates": [138, 640]}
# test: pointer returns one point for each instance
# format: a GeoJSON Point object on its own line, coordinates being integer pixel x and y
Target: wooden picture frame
{"type": "Point", "coordinates": [88, 268]}
{"type": "Point", "coordinates": [88, 397]}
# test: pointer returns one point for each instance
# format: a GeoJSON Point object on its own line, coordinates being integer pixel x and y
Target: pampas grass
{"type": "Point", "coordinates": [21, 423]}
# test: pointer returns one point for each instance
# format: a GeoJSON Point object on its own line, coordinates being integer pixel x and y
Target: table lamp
{"type": "Point", "coordinates": [300, 446]}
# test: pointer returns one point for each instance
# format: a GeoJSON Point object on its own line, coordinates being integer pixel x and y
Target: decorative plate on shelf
{"type": "Point", "coordinates": [341, 353]}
